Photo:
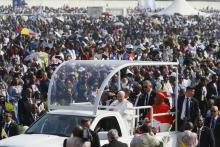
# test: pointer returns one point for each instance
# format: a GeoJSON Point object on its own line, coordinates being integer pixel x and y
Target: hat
{"type": "Point", "coordinates": [129, 46]}
{"type": "Point", "coordinates": [160, 95]}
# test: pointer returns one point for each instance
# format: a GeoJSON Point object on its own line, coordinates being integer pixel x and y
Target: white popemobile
{"type": "Point", "coordinates": [69, 105]}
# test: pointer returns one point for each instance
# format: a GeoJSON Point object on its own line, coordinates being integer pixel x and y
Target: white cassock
{"type": "Point", "coordinates": [126, 113]}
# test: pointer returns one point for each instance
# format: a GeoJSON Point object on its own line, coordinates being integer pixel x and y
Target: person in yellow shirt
{"type": "Point", "coordinates": [3, 133]}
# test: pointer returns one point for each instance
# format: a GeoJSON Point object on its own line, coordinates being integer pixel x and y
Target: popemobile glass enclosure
{"type": "Point", "coordinates": [79, 84]}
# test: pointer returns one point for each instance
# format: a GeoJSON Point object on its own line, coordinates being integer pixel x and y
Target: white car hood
{"type": "Point", "coordinates": [33, 140]}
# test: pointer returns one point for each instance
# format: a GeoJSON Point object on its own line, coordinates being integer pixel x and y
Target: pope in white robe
{"type": "Point", "coordinates": [124, 107]}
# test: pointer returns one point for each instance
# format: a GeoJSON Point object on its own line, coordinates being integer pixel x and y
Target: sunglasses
{"type": "Point", "coordinates": [213, 111]}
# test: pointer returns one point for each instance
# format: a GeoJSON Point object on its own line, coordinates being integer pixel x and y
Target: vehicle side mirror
{"type": "Point", "coordinates": [103, 135]}
{"type": "Point", "coordinates": [25, 128]}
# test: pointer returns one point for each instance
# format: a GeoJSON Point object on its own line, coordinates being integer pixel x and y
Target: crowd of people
{"type": "Point", "coordinates": [193, 41]}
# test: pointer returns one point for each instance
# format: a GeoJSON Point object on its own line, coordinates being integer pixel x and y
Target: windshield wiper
{"type": "Point", "coordinates": [57, 134]}
{"type": "Point", "coordinates": [31, 133]}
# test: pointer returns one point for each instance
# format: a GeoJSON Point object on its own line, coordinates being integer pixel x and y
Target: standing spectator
{"type": "Point", "coordinates": [14, 92]}
{"type": "Point", "coordinates": [113, 139]}
{"type": "Point", "coordinates": [44, 84]}
{"type": "Point", "coordinates": [135, 95]}
{"type": "Point", "coordinates": [166, 85]}
{"type": "Point", "coordinates": [212, 89]}
{"type": "Point", "coordinates": [188, 108]}
{"type": "Point", "coordinates": [24, 108]}
{"type": "Point", "coordinates": [205, 135]}
{"type": "Point", "coordinates": [200, 95]}
{"type": "Point", "coordinates": [88, 134]}
{"type": "Point", "coordinates": [213, 122]}
{"type": "Point", "coordinates": [2, 132]}
{"type": "Point", "coordinates": [34, 112]}
{"type": "Point", "coordinates": [10, 126]}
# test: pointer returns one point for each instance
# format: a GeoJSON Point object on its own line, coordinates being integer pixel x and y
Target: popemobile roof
{"type": "Point", "coordinates": [79, 84]}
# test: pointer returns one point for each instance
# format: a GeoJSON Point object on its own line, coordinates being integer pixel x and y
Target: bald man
{"type": "Point", "coordinates": [213, 122]}
{"type": "Point", "coordinates": [123, 106]}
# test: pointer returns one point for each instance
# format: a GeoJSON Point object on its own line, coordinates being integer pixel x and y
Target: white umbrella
{"type": "Point", "coordinates": [58, 34]}
{"type": "Point", "coordinates": [119, 24]}
{"type": "Point", "coordinates": [36, 56]}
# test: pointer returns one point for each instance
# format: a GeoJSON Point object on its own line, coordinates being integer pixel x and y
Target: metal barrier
{"type": "Point", "coordinates": [136, 117]}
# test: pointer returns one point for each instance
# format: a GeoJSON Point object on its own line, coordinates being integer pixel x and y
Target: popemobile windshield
{"type": "Point", "coordinates": [78, 85]}
{"type": "Point", "coordinates": [73, 83]}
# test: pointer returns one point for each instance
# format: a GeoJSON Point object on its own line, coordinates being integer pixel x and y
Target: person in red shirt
{"type": "Point", "coordinates": [160, 106]}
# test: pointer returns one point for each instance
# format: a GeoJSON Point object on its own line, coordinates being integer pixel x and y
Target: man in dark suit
{"type": "Point", "coordinates": [200, 95]}
{"type": "Point", "coordinates": [213, 122]}
{"type": "Point", "coordinates": [11, 128]}
{"type": "Point", "coordinates": [205, 135]}
{"type": "Point", "coordinates": [188, 108]}
{"type": "Point", "coordinates": [148, 94]}
{"type": "Point", "coordinates": [147, 97]}
{"type": "Point", "coordinates": [88, 134]}
{"type": "Point", "coordinates": [24, 108]}
{"type": "Point", "coordinates": [212, 89]}
{"type": "Point", "coordinates": [113, 139]}
{"type": "Point", "coordinates": [135, 95]}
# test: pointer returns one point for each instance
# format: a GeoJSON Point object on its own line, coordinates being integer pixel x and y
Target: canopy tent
{"type": "Point", "coordinates": [180, 7]}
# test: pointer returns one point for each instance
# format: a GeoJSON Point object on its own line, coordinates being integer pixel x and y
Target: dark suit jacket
{"type": "Point", "coordinates": [216, 131]}
{"type": "Point", "coordinates": [198, 92]}
{"type": "Point", "coordinates": [211, 91]}
{"type": "Point", "coordinates": [115, 143]}
{"type": "Point", "coordinates": [198, 96]}
{"type": "Point", "coordinates": [24, 112]}
{"type": "Point", "coordinates": [143, 96]}
{"type": "Point", "coordinates": [150, 102]}
{"type": "Point", "coordinates": [194, 111]}
{"type": "Point", "coordinates": [95, 139]}
{"type": "Point", "coordinates": [206, 138]}
{"type": "Point", "coordinates": [12, 130]}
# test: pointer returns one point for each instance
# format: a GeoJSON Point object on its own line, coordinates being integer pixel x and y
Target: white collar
{"type": "Point", "coordinates": [8, 123]}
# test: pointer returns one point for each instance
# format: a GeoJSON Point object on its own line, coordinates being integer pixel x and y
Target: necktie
{"type": "Point", "coordinates": [187, 108]}
{"type": "Point", "coordinates": [7, 128]}
{"type": "Point", "coordinates": [146, 100]}
{"type": "Point", "coordinates": [213, 123]}
{"type": "Point", "coordinates": [199, 134]}
{"type": "Point", "coordinates": [216, 90]}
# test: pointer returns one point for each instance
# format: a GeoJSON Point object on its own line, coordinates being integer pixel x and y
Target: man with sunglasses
{"type": "Point", "coordinates": [213, 122]}
{"type": "Point", "coordinates": [146, 98]}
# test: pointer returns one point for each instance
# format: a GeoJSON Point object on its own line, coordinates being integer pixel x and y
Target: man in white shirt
{"type": "Point", "coordinates": [188, 108]}
{"type": "Point", "coordinates": [123, 106]}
